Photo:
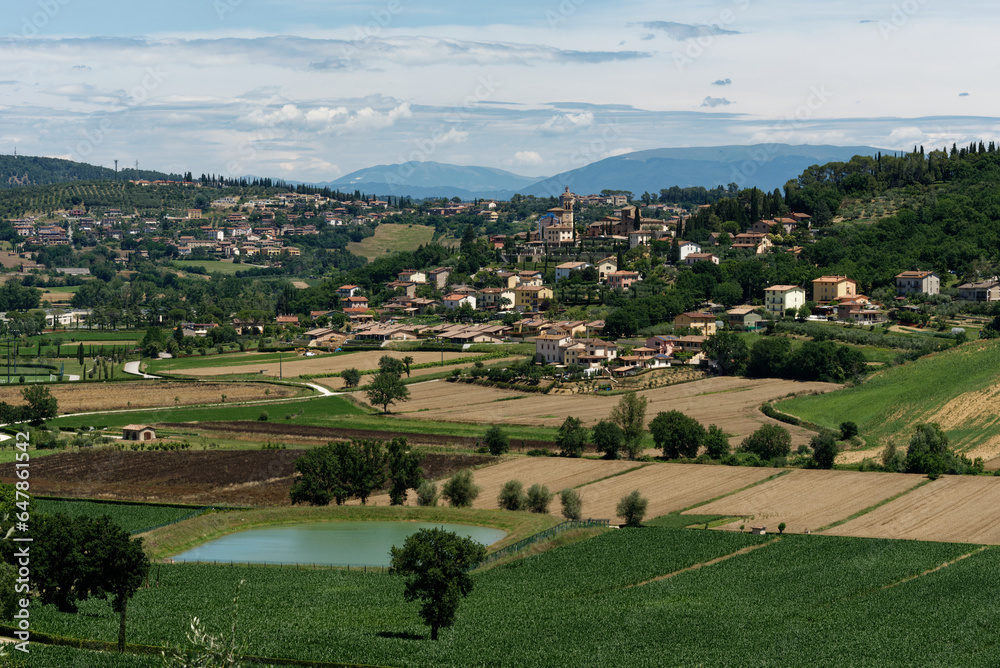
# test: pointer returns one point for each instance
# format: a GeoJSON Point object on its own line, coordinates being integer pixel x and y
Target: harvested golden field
{"type": "Point", "coordinates": [337, 383]}
{"type": "Point", "coordinates": [556, 473]}
{"type": "Point", "coordinates": [297, 366]}
{"type": "Point", "coordinates": [668, 487]}
{"type": "Point", "coordinates": [960, 509]}
{"type": "Point", "coordinates": [806, 500]}
{"type": "Point", "coordinates": [732, 403]}
{"type": "Point", "coordinates": [82, 398]}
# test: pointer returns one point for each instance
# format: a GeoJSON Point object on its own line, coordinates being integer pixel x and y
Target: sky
{"type": "Point", "coordinates": [316, 89]}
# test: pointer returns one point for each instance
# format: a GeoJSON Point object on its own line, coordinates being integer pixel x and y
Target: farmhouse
{"type": "Point", "coordinates": [828, 288]}
{"type": "Point", "coordinates": [702, 321]}
{"type": "Point", "coordinates": [693, 258]}
{"type": "Point", "coordinates": [914, 282]}
{"type": "Point", "coordinates": [138, 432]}
{"type": "Point", "coordinates": [984, 291]}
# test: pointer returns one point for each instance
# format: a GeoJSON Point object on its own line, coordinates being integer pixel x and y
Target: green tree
{"type": "Point", "coordinates": [728, 351]}
{"type": "Point", "coordinates": [460, 491]}
{"type": "Point", "coordinates": [632, 509]}
{"type": "Point", "coordinates": [392, 364]}
{"type": "Point", "coordinates": [538, 498]}
{"type": "Point", "coordinates": [79, 354]}
{"type": "Point", "coordinates": [825, 450]}
{"type": "Point", "coordinates": [930, 454]}
{"type": "Point", "coordinates": [153, 343]}
{"type": "Point", "coordinates": [351, 376]}
{"type": "Point", "coordinates": [386, 388]}
{"type": "Point", "coordinates": [608, 438]}
{"type": "Point", "coordinates": [407, 361]}
{"type": "Point", "coordinates": [323, 475]}
{"type": "Point", "coordinates": [512, 496]}
{"type": "Point", "coordinates": [41, 405]}
{"type": "Point", "coordinates": [121, 566]}
{"type": "Point", "coordinates": [496, 440]}
{"type": "Point", "coordinates": [437, 562]}
{"type": "Point", "coordinates": [848, 430]}
{"type": "Point", "coordinates": [427, 494]}
{"type": "Point", "coordinates": [369, 473]}
{"type": "Point", "coordinates": [677, 434]}
{"type": "Point", "coordinates": [715, 442]}
{"type": "Point", "coordinates": [404, 468]}
{"type": "Point", "coordinates": [572, 503]}
{"type": "Point", "coordinates": [572, 437]}
{"type": "Point", "coordinates": [630, 415]}
{"type": "Point", "coordinates": [768, 442]}
{"type": "Point", "coordinates": [768, 357]}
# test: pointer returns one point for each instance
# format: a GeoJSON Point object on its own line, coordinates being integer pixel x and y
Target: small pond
{"type": "Point", "coordinates": [324, 543]}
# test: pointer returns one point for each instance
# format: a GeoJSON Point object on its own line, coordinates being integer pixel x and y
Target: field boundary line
{"type": "Point", "coordinates": [613, 475]}
{"type": "Point", "coordinates": [865, 511]}
{"type": "Point", "coordinates": [937, 568]}
{"type": "Point", "coordinates": [711, 562]}
{"type": "Point", "coordinates": [735, 491]}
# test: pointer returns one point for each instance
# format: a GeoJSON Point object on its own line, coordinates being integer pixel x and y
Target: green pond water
{"type": "Point", "coordinates": [325, 543]}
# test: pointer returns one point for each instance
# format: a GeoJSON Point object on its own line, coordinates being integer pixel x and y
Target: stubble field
{"type": "Point", "coordinates": [731, 403]}
{"type": "Point", "coordinates": [298, 366]}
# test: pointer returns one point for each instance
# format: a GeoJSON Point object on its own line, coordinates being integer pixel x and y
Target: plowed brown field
{"type": "Point", "coordinates": [960, 509]}
{"type": "Point", "coordinates": [806, 500]}
{"type": "Point", "coordinates": [241, 477]}
{"type": "Point", "coordinates": [731, 403]}
{"type": "Point", "coordinates": [77, 398]}
{"type": "Point", "coordinates": [298, 366]}
{"type": "Point", "coordinates": [668, 487]}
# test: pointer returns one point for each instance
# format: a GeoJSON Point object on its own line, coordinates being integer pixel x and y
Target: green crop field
{"type": "Point", "coordinates": [624, 598]}
{"type": "Point", "coordinates": [939, 387]}
{"type": "Point", "coordinates": [134, 517]}
{"type": "Point", "coordinates": [392, 238]}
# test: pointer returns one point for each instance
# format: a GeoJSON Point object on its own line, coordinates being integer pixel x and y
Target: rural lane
{"type": "Point", "coordinates": [133, 368]}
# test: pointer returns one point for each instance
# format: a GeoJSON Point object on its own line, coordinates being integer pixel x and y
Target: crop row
{"type": "Point", "coordinates": [131, 517]}
{"type": "Point", "coordinates": [799, 600]}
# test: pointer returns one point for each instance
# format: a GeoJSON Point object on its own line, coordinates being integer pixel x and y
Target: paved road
{"type": "Point", "coordinates": [133, 368]}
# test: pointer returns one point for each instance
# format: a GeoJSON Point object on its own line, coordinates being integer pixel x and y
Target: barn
{"type": "Point", "coordinates": [138, 432]}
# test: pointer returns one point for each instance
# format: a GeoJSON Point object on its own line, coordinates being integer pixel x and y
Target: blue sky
{"type": "Point", "coordinates": [315, 89]}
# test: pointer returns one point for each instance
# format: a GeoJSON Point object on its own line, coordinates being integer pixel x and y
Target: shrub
{"type": "Point", "coordinates": [427, 494]}
{"type": "Point", "coordinates": [632, 508]}
{"type": "Point", "coordinates": [572, 504]}
{"type": "Point", "coordinates": [539, 452]}
{"type": "Point", "coordinates": [460, 491]}
{"type": "Point", "coordinates": [512, 496]}
{"type": "Point", "coordinates": [539, 498]}
{"type": "Point", "coordinates": [262, 417]}
{"type": "Point", "coordinates": [496, 440]}
{"type": "Point", "coordinates": [848, 430]}
{"type": "Point", "coordinates": [825, 450]}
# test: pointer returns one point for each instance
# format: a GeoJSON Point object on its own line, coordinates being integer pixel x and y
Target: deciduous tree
{"type": "Point", "coordinates": [572, 437]}
{"type": "Point", "coordinates": [676, 434]}
{"type": "Point", "coordinates": [630, 415]}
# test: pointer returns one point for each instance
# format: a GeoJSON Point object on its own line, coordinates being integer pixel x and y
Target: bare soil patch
{"type": "Point", "coordinates": [297, 366]}
{"type": "Point", "coordinates": [239, 477]}
{"type": "Point", "coordinates": [147, 394]}
{"type": "Point", "coordinates": [959, 509]}
{"type": "Point", "coordinates": [731, 403]}
{"type": "Point", "coordinates": [668, 487]}
{"type": "Point", "coordinates": [309, 434]}
{"type": "Point", "coordinates": [806, 500]}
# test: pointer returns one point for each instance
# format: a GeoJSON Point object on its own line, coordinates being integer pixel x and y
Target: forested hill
{"type": "Point", "coordinates": [24, 170]}
{"type": "Point", "coordinates": [874, 217]}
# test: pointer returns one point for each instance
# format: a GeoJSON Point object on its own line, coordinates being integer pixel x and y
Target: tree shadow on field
{"type": "Point", "coordinates": [400, 635]}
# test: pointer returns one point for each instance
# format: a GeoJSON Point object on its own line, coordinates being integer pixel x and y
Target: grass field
{"type": "Point", "coordinates": [213, 266]}
{"type": "Point", "coordinates": [957, 388]}
{"type": "Point", "coordinates": [624, 598]}
{"type": "Point", "coordinates": [390, 238]}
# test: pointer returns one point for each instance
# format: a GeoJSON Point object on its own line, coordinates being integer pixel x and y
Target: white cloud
{"type": "Point", "coordinates": [527, 159]}
{"type": "Point", "coordinates": [452, 136]}
{"type": "Point", "coordinates": [563, 123]}
{"type": "Point", "coordinates": [327, 119]}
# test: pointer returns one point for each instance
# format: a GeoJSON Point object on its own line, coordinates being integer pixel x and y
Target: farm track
{"type": "Point", "coordinates": [712, 562]}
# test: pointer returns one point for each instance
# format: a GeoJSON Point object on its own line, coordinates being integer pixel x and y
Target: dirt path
{"type": "Point", "coordinates": [712, 562]}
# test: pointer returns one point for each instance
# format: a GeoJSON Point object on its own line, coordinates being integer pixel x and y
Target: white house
{"type": "Point", "coordinates": [455, 300]}
{"type": "Point", "coordinates": [563, 270]}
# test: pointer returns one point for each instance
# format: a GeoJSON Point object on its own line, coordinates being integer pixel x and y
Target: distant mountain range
{"type": "Point", "coordinates": [766, 166]}
{"type": "Point", "coordinates": [26, 170]}
{"type": "Point", "coordinates": [434, 179]}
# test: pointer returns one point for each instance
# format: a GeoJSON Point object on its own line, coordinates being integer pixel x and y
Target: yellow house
{"type": "Point", "coordinates": [701, 321]}
{"type": "Point", "coordinates": [529, 297]}
{"type": "Point", "coordinates": [829, 288]}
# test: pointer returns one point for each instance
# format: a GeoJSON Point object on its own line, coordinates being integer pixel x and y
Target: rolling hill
{"type": "Point", "coordinates": [25, 170]}
{"type": "Point", "coordinates": [957, 388]}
